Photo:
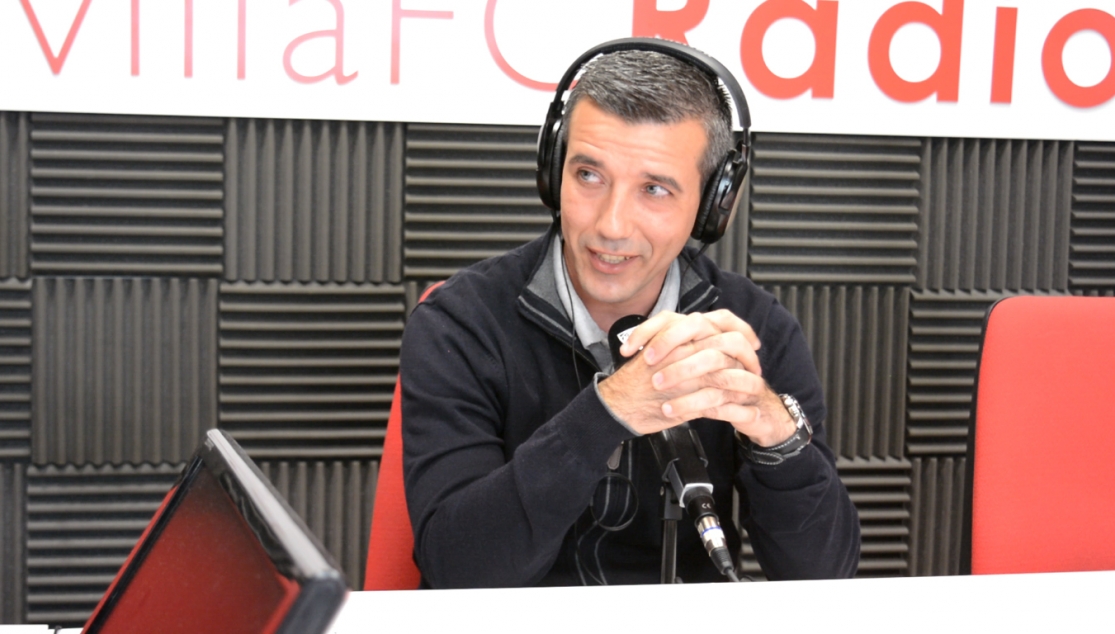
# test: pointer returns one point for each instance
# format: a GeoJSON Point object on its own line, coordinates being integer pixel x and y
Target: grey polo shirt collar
{"type": "Point", "coordinates": [588, 332]}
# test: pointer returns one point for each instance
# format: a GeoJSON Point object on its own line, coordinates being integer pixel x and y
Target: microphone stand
{"type": "Point", "coordinates": [671, 513]}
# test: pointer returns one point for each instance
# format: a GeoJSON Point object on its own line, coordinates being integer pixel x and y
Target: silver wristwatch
{"type": "Point", "coordinates": [788, 448]}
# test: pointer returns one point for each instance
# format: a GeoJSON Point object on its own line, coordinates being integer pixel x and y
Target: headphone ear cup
{"type": "Point", "coordinates": [557, 168]}
{"type": "Point", "coordinates": [705, 208]}
{"type": "Point", "coordinates": [548, 134]}
{"type": "Point", "coordinates": [720, 196]}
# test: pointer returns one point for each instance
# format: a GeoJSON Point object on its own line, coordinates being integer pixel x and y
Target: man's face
{"type": "Point", "coordinates": [629, 196]}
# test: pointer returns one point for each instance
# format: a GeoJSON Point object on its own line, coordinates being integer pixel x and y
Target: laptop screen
{"type": "Point", "coordinates": [223, 554]}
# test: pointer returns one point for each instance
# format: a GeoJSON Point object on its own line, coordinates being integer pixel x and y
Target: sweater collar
{"type": "Point", "coordinates": [590, 334]}
{"type": "Point", "coordinates": [540, 302]}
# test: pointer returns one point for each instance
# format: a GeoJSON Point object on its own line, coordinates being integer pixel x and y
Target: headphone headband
{"type": "Point", "coordinates": [666, 47]}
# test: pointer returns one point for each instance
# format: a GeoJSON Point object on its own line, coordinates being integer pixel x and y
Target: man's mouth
{"type": "Point", "coordinates": [612, 259]}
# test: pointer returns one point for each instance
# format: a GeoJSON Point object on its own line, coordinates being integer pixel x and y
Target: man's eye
{"type": "Point", "coordinates": [657, 190]}
{"type": "Point", "coordinates": [587, 176]}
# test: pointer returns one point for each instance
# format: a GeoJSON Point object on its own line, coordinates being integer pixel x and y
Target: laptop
{"type": "Point", "coordinates": [224, 553]}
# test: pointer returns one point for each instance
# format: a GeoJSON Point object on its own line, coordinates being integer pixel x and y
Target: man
{"type": "Point", "coordinates": [525, 458]}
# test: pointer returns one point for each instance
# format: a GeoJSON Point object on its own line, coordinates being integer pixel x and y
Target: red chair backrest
{"type": "Point", "coordinates": [1043, 453]}
{"type": "Point", "coordinates": [391, 545]}
{"type": "Point", "coordinates": [390, 564]}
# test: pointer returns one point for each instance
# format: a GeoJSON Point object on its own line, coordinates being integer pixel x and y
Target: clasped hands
{"type": "Point", "coordinates": [701, 365]}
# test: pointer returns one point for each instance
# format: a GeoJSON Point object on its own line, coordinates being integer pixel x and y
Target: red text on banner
{"type": "Point", "coordinates": [55, 61]}
{"type": "Point", "coordinates": [338, 35]}
{"type": "Point", "coordinates": [819, 77]}
{"type": "Point", "coordinates": [493, 48]}
{"type": "Point", "coordinates": [948, 24]}
{"type": "Point", "coordinates": [1002, 66]}
{"type": "Point", "coordinates": [1052, 53]}
{"type": "Point", "coordinates": [648, 21]}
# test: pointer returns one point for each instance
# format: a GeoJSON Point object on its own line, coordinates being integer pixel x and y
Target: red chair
{"type": "Point", "coordinates": [390, 564]}
{"type": "Point", "coordinates": [1041, 454]}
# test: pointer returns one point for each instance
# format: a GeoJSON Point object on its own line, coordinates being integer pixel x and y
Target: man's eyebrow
{"type": "Point", "coordinates": [584, 159]}
{"type": "Point", "coordinates": [668, 181]}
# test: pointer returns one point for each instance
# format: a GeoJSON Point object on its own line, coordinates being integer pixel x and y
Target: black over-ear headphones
{"type": "Point", "coordinates": [721, 193]}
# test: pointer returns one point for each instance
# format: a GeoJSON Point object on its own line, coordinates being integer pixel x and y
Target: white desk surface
{"type": "Point", "coordinates": [1057, 602]}
{"type": "Point", "coordinates": [992, 603]}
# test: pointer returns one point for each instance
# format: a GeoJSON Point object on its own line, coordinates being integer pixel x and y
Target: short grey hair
{"type": "Point", "coordinates": [651, 87]}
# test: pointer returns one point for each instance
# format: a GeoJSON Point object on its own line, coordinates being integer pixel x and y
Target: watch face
{"type": "Point", "coordinates": [797, 413]}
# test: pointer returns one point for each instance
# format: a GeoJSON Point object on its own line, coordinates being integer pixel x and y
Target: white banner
{"type": "Point", "coordinates": [1026, 69]}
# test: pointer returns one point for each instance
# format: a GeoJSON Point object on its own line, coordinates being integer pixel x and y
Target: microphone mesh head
{"type": "Point", "coordinates": [619, 333]}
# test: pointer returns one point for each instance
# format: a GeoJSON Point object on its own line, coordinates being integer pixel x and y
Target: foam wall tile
{"type": "Point", "coordinates": [15, 155]}
{"type": "Point", "coordinates": [126, 195]}
{"type": "Point", "coordinates": [470, 195]}
{"type": "Point", "coordinates": [937, 512]}
{"type": "Point", "coordinates": [124, 369]}
{"type": "Point", "coordinates": [316, 201]}
{"type": "Point", "coordinates": [308, 370]}
{"type": "Point", "coordinates": [1092, 259]}
{"type": "Point", "coordinates": [13, 541]}
{"type": "Point", "coordinates": [858, 338]}
{"type": "Point", "coordinates": [834, 209]}
{"type": "Point", "coordinates": [996, 215]}
{"type": "Point", "coordinates": [15, 369]}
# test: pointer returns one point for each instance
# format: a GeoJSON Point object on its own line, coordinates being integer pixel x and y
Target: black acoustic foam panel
{"type": "Point", "coordinates": [15, 138]}
{"type": "Point", "coordinates": [308, 370]}
{"type": "Point", "coordinates": [13, 541]}
{"type": "Point", "coordinates": [1092, 265]}
{"type": "Point", "coordinates": [15, 369]}
{"type": "Point", "coordinates": [880, 489]}
{"type": "Point", "coordinates": [470, 195]}
{"type": "Point", "coordinates": [314, 201]}
{"type": "Point", "coordinates": [834, 209]}
{"type": "Point", "coordinates": [996, 215]}
{"type": "Point", "coordinates": [937, 508]}
{"type": "Point", "coordinates": [126, 195]}
{"type": "Point", "coordinates": [124, 369]}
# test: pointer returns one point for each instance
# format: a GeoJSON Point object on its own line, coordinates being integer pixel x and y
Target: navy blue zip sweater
{"type": "Point", "coordinates": [506, 442]}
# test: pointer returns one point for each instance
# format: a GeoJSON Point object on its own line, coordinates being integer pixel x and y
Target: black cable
{"type": "Point", "coordinates": [631, 494]}
{"type": "Point", "coordinates": [688, 262]}
{"type": "Point", "coordinates": [572, 314]}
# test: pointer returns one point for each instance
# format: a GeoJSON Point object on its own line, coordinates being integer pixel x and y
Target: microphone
{"type": "Point", "coordinates": [682, 460]}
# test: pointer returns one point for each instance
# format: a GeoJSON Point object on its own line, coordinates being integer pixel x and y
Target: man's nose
{"type": "Point", "coordinates": [615, 219]}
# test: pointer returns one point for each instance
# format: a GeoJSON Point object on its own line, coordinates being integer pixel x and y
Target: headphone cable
{"type": "Point", "coordinates": [688, 263]}
{"type": "Point", "coordinates": [572, 313]}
